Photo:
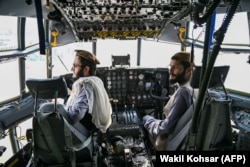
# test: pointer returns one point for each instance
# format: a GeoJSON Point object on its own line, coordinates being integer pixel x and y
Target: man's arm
{"type": "Point", "coordinates": [180, 104]}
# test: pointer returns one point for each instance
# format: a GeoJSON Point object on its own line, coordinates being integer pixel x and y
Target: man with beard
{"type": "Point", "coordinates": [180, 72]}
{"type": "Point", "coordinates": [88, 101]}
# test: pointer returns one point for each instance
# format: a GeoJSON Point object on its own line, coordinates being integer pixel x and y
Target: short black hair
{"type": "Point", "coordinates": [92, 66]}
{"type": "Point", "coordinates": [186, 64]}
{"type": "Point", "coordinates": [183, 58]}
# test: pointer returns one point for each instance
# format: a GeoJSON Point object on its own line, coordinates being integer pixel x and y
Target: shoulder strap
{"type": "Point", "coordinates": [84, 140]}
{"type": "Point", "coordinates": [45, 126]}
{"type": "Point", "coordinates": [181, 130]}
{"type": "Point", "coordinates": [176, 141]}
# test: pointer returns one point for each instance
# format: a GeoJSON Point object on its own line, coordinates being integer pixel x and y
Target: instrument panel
{"type": "Point", "coordinates": [135, 86]}
{"type": "Point", "coordinates": [130, 90]}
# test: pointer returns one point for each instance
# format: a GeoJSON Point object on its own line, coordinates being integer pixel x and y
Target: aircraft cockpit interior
{"type": "Point", "coordinates": [36, 64]}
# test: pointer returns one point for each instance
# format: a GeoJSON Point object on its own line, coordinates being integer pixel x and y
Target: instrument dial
{"type": "Point", "coordinates": [141, 76]}
{"type": "Point", "coordinates": [158, 76]}
{"type": "Point", "coordinates": [140, 84]}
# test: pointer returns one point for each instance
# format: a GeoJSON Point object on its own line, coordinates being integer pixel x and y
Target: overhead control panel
{"type": "Point", "coordinates": [120, 19]}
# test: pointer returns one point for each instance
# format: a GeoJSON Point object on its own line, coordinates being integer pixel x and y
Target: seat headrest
{"type": "Point", "coordinates": [218, 73]}
{"type": "Point", "coordinates": [47, 88]}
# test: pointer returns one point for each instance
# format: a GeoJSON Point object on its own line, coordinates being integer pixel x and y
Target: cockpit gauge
{"type": "Point", "coordinates": [124, 78]}
{"type": "Point", "coordinates": [119, 84]}
{"type": "Point", "coordinates": [123, 73]}
{"type": "Point", "coordinates": [158, 76]}
{"type": "Point", "coordinates": [109, 82]}
{"type": "Point", "coordinates": [140, 83]}
{"type": "Point", "coordinates": [109, 73]}
{"type": "Point", "coordinates": [123, 85]}
{"type": "Point", "coordinates": [141, 76]}
{"type": "Point", "coordinates": [139, 97]}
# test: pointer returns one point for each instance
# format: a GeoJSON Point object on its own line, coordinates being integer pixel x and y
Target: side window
{"type": "Point", "coordinates": [35, 66]}
{"type": "Point", "coordinates": [31, 33]}
{"type": "Point", "coordinates": [9, 85]}
{"type": "Point", "coordinates": [63, 56]}
{"type": "Point", "coordinates": [8, 33]}
{"type": "Point", "coordinates": [231, 36]}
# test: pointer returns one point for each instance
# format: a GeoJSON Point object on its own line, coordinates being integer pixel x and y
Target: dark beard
{"type": "Point", "coordinates": [78, 75]}
{"type": "Point", "coordinates": [180, 78]}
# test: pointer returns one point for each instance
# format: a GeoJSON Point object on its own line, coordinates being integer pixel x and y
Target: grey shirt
{"type": "Point", "coordinates": [181, 102]}
{"type": "Point", "coordinates": [80, 107]}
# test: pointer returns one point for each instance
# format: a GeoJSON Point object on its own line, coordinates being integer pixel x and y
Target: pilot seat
{"type": "Point", "coordinates": [56, 142]}
{"type": "Point", "coordinates": [214, 132]}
